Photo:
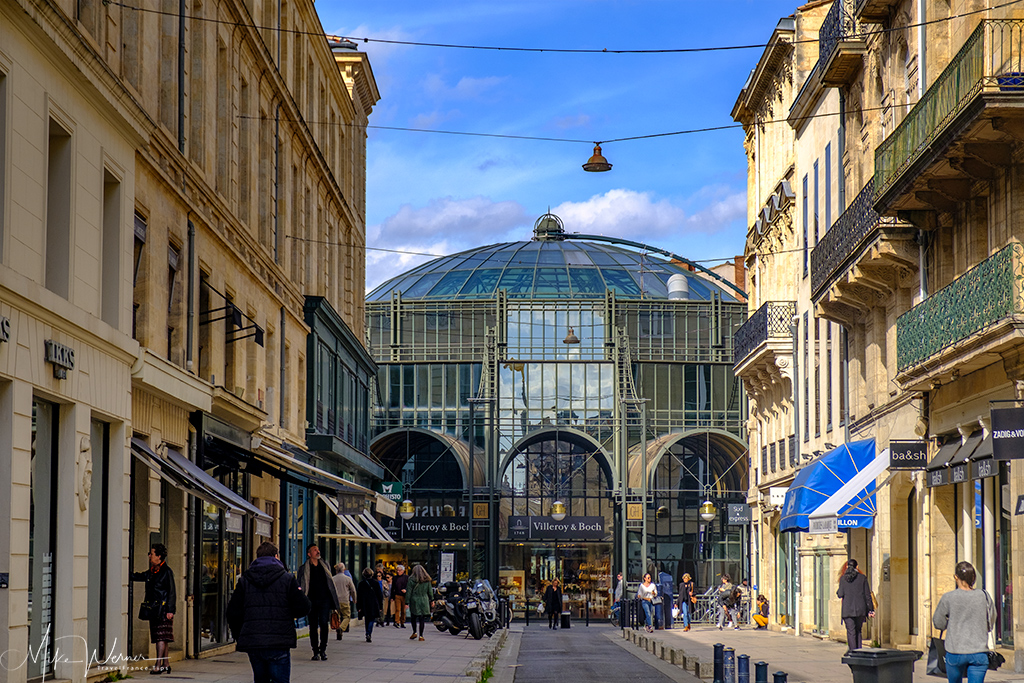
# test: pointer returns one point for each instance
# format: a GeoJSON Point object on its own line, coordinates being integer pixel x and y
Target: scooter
{"type": "Point", "coordinates": [482, 610]}
{"type": "Point", "coordinates": [450, 610]}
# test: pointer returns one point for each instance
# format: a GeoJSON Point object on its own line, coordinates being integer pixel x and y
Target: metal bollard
{"type": "Point", "coordinates": [528, 615]}
{"type": "Point", "coordinates": [719, 671]}
{"type": "Point", "coordinates": [761, 672]}
{"type": "Point", "coordinates": [729, 665]}
{"type": "Point", "coordinates": [780, 677]}
{"type": "Point", "coordinates": [587, 602]}
{"type": "Point", "coordinates": [743, 669]}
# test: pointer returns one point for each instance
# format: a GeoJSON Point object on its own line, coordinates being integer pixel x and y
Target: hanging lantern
{"type": "Point", "coordinates": [707, 511]}
{"type": "Point", "coordinates": [558, 511]}
{"type": "Point", "coordinates": [407, 510]}
{"type": "Point", "coordinates": [597, 163]}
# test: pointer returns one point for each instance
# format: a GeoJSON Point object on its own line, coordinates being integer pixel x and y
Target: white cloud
{"type": "Point", "coordinates": [568, 122]}
{"type": "Point", "coordinates": [467, 87]}
{"type": "Point", "coordinates": [443, 226]}
{"type": "Point", "coordinates": [629, 214]}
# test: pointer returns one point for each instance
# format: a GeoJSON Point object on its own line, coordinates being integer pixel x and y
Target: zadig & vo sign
{"type": "Point", "coordinates": [1007, 433]}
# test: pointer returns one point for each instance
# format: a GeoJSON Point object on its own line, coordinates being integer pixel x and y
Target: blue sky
{"type": "Point", "coordinates": [442, 194]}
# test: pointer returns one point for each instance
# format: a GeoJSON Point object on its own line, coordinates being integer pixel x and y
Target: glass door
{"type": "Point", "coordinates": [822, 590]}
{"type": "Point", "coordinates": [42, 539]}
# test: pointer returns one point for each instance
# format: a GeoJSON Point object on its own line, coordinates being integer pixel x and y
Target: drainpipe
{"type": "Point", "coordinates": [840, 170]}
{"type": "Point", "coordinates": [795, 329]}
{"type": "Point", "coordinates": [277, 172]}
{"type": "Point", "coordinates": [281, 377]}
{"type": "Point", "coordinates": [191, 317]}
{"type": "Point", "coordinates": [922, 49]}
{"type": "Point", "coordinates": [181, 76]}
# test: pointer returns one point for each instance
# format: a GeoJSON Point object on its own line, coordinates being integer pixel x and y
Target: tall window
{"type": "Point", "coordinates": [98, 501]}
{"type": "Point", "coordinates": [58, 210]}
{"type": "Point", "coordinates": [816, 202]}
{"type": "Point", "coordinates": [140, 243]}
{"type": "Point", "coordinates": [807, 383]}
{"type": "Point", "coordinates": [843, 341]}
{"type": "Point", "coordinates": [828, 376]}
{"type": "Point", "coordinates": [817, 377]}
{"type": "Point", "coordinates": [828, 186]}
{"type": "Point", "coordinates": [197, 85]}
{"type": "Point", "coordinates": [806, 224]}
{"type": "Point", "coordinates": [173, 262]}
{"type": "Point", "coordinates": [244, 158]}
{"type": "Point", "coordinates": [110, 273]}
{"type": "Point", "coordinates": [3, 158]}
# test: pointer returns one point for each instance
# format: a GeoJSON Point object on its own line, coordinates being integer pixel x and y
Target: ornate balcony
{"type": "Point", "coordinates": [840, 50]}
{"type": "Point", "coordinates": [861, 260]}
{"type": "Point", "coordinates": [974, 321]}
{"type": "Point", "coordinates": [874, 11]}
{"type": "Point", "coordinates": [763, 348]}
{"type": "Point", "coordinates": [959, 131]}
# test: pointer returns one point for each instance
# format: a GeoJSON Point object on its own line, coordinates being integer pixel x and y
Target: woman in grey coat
{"type": "Point", "coordinates": [857, 603]}
{"type": "Point", "coordinates": [967, 615]}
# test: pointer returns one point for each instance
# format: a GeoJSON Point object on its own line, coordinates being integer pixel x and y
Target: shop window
{"type": "Point", "coordinates": [42, 561]}
{"type": "Point", "coordinates": [98, 514]}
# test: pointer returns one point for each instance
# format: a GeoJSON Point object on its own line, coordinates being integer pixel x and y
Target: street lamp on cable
{"type": "Point", "coordinates": [597, 163]}
{"type": "Point", "coordinates": [407, 510]}
{"type": "Point", "coordinates": [558, 511]}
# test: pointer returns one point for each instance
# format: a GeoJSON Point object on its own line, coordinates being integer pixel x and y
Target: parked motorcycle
{"type": "Point", "coordinates": [482, 610]}
{"type": "Point", "coordinates": [450, 607]}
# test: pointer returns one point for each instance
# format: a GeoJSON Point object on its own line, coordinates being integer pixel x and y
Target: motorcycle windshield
{"type": "Point", "coordinates": [483, 588]}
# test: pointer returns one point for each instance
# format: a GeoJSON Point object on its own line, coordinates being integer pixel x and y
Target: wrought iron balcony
{"type": "Point", "coordinates": [968, 115]}
{"type": "Point", "coordinates": [771, 321]}
{"type": "Point", "coordinates": [963, 324]}
{"type": "Point", "coordinates": [861, 251]}
{"type": "Point", "coordinates": [840, 50]}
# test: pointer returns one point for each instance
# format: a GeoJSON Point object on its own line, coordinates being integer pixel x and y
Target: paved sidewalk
{"type": "Point", "coordinates": [391, 657]}
{"type": "Point", "coordinates": [805, 659]}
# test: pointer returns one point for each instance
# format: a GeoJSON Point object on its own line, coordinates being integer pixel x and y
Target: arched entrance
{"type": "Point", "coordinates": [432, 468]}
{"type": "Point", "coordinates": [546, 466]}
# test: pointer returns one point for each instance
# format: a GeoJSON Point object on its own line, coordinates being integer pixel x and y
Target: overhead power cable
{"type": "Point", "coordinates": [552, 50]}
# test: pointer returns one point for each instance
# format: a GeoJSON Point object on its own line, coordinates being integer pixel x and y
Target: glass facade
{"type": "Point", "coordinates": [520, 368]}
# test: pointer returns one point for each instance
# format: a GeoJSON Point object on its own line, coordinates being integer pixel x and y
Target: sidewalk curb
{"type": "Point", "coordinates": [508, 660]}
{"type": "Point", "coordinates": [665, 665]}
{"type": "Point", "coordinates": [485, 660]}
{"type": "Point", "coordinates": [691, 664]}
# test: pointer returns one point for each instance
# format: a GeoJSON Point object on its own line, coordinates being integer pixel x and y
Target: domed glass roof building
{"type": "Point", "coordinates": [590, 371]}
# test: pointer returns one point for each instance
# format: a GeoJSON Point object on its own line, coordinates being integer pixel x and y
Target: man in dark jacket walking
{"type": "Point", "coordinates": [316, 582]}
{"type": "Point", "coordinates": [262, 613]}
{"type": "Point", "coordinates": [858, 604]}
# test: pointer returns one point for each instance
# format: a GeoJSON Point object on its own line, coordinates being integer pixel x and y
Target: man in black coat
{"type": "Point", "coordinates": [262, 613]}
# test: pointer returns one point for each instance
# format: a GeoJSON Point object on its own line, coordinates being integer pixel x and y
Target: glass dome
{"type": "Point", "coordinates": [546, 267]}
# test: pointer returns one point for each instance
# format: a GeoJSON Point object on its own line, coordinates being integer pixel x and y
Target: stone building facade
{"type": "Point", "coordinates": [917, 271]}
{"type": "Point", "coordinates": [165, 215]}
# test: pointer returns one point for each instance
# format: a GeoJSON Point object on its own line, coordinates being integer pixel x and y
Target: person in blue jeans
{"type": "Point", "coordinates": [262, 613]}
{"type": "Point", "coordinates": [967, 616]}
{"type": "Point", "coordinates": [686, 596]}
{"type": "Point", "coordinates": [646, 593]}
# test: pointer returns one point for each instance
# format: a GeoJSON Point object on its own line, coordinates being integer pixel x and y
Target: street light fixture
{"type": "Point", "coordinates": [558, 511]}
{"type": "Point", "coordinates": [597, 163]}
{"type": "Point", "coordinates": [707, 511]}
{"type": "Point", "coordinates": [407, 510]}
{"type": "Point", "coordinates": [447, 511]}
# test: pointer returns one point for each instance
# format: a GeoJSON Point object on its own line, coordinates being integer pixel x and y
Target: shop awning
{"type": "Point", "coordinates": [358, 527]}
{"type": "Point", "coordinates": [937, 471]}
{"type": "Point", "coordinates": [819, 480]}
{"type": "Point", "coordinates": [853, 505]}
{"type": "Point", "coordinates": [278, 458]}
{"type": "Point", "coordinates": [182, 473]}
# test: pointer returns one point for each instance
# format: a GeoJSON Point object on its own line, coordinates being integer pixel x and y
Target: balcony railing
{"type": "Point", "coordinates": [989, 60]}
{"type": "Point", "coordinates": [771, 321]}
{"type": "Point", "coordinates": [839, 25]}
{"type": "Point", "coordinates": [844, 239]}
{"type": "Point", "coordinates": [989, 292]}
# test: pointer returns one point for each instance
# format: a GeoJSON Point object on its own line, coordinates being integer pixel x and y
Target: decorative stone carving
{"type": "Point", "coordinates": [84, 478]}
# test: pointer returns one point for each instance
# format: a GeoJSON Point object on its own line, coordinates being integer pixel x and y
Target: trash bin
{"type": "Point", "coordinates": [565, 624]}
{"type": "Point", "coordinates": [879, 665]}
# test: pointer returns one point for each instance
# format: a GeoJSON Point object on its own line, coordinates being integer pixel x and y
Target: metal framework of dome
{"type": "Point", "coordinates": [552, 265]}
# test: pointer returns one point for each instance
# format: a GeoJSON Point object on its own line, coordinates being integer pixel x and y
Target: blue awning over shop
{"type": "Point", "coordinates": [819, 480]}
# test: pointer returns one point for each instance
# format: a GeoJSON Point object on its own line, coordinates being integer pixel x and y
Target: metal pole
{"type": "Point", "coordinates": [469, 498]}
{"type": "Point", "coordinates": [780, 677]}
{"type": "Point", "coordinates": [643, 452]}
{"type": "Point", "coordinates": [719, 670]}
{"type": "Point", "coordinates": [729, 665]}
{"type": "Point", "coordinates": [743, 669]}
{"type": "Point", "coordinates": [761, 672]}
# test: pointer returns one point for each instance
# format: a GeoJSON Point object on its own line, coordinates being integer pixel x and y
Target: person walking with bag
{"type": "Point", "coordinates": [316, 582]}
{"type": "Point", "coordinates": [724, 596]}
{"type": "Point", "coordinates": [346, 590]}
{"type": "Point", "coordinates": [262, 613]}
{"type": "Point", "coordinates": [967, 615]}
{"type": "Point", "coordinates": [647, 592]}
{"type": "Point", "coordinates": [553, 603]}
{"type": "Point", "coordinates": [857, 603]}
{"type": "Point", "coordinates": [369, 599]}
{"type": "Point", "coordinates": [158, 605]}
{"type": "Point", "coordinates": [419, 591]}
{"type": "Point", "coordinates": [686, 600]}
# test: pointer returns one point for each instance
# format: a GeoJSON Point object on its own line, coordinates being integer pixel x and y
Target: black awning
{"type": "Point", "coordinates": [943, 457]}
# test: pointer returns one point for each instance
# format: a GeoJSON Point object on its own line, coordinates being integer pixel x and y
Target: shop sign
{"type": "Point", "coordinates": [737, 513]}
{"type": "Point", "coordinates": [391, 490]}
{"type": "Point", "coordinates": [5, 329]}
{"type": "Point", "coordinates": [386, 506]}
{"type": "Point", "coordinates": [958, 473]}
{"type": "Point", "coordinates": [547, 529]}
{"type": "Point", "coordinates": [263, 528]}
{"type": "Point", "coordinates": [1007, 433]}
{"type": "Point", "coordinates": [232, 523]}
{"type": "Point", "coordinates": [823, 525]}
{"type": "Point", "coordinates": [447, 573]}
{"type": "Point", "coordinates": [1019, 509]}
{"type": "Point", "coordinates": [937, 477]}
{"type": "Point", "coordinates": [435, 529]}
{"type": "Point", "coordinates": [350, 504]}
{"type": "Point", "coordinates": [228, 433]}
{"type": "Point", "coordinates": [908, 455]}
{"type": "Point", "coordinates": [62, 357]}
{"type": "Point", "coordinates": [982, 469]}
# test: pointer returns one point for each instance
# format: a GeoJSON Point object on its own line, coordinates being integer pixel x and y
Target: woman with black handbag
{"type": "Point", "coordinates": [967, 615]}
{"type": "Point", "coordinates": [158, 605]}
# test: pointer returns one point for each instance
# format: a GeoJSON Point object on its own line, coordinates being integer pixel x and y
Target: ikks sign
{"type": "Point", "coordinates": [521, 528]}
{"type": "Point", "coordinates": [5, 329]}
{"type": "Point", "coordinates": [62, 357]}
{"type": "Point", "coordinates": [1007, 433]}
